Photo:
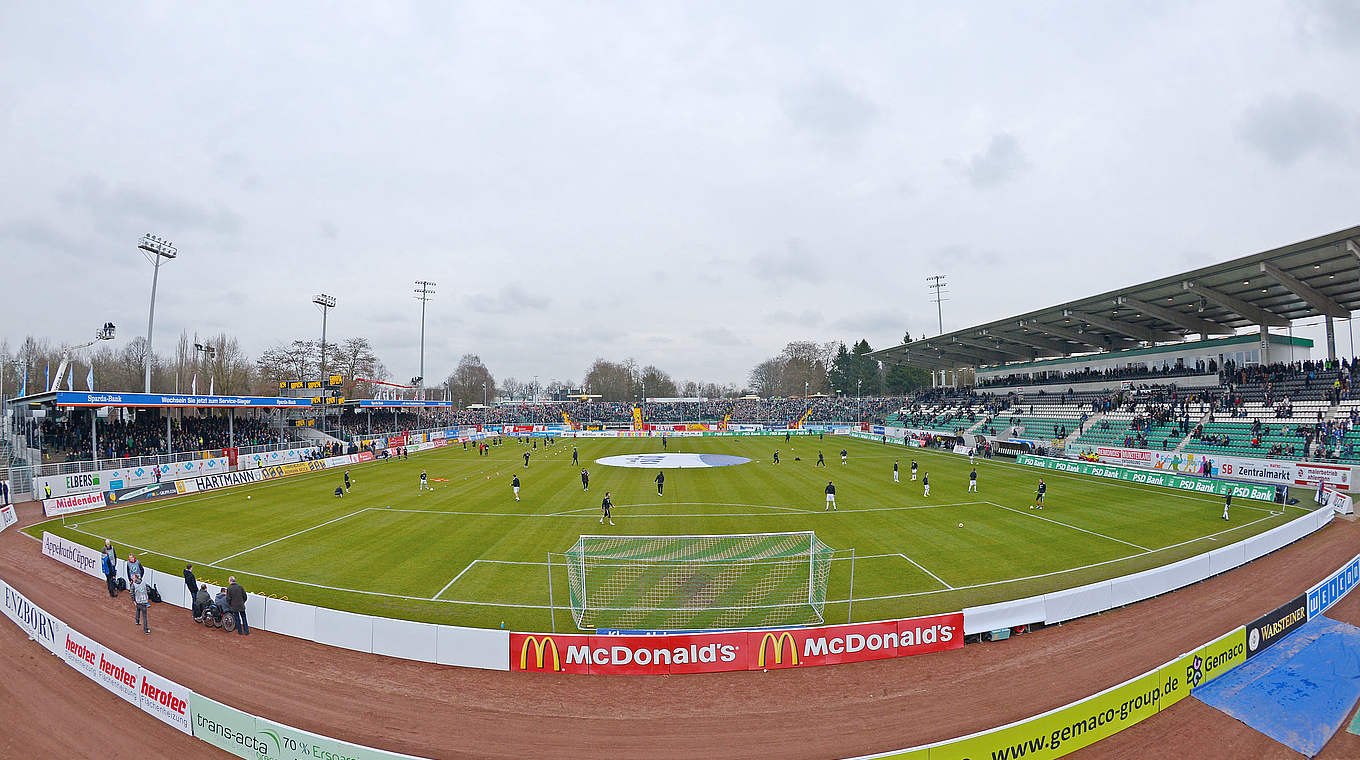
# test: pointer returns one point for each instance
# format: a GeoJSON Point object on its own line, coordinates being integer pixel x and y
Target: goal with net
{"type": "Point", "coordinates": [690, 582]}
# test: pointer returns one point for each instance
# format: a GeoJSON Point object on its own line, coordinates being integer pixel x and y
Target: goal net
{"type": "Point", "coordinates": [690, 582]}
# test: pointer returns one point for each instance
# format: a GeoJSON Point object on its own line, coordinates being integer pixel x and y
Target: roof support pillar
{"type": "Point", "coordinates": [1265, 344]}
{"type": "Point", "coordinates": [1331, 337]}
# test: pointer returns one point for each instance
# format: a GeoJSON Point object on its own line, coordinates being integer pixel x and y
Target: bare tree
{"type": "Point", "coordinates": [472, 381]}
{"type": "Point", "coordinates": [658, 384]}
{"type": "Point", "coordinates": [352, 359]}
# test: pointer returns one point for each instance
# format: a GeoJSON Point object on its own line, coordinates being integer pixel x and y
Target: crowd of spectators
{"type": "Point", "coordinates": [142, 435]}
{"type": "Point", "coordinates": [1139, 372]}
{"type": "Point", "coordinates": [779, 411]}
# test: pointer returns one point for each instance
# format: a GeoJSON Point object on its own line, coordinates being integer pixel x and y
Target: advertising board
{"type": "Point", "coordinates": [1276, 624]}
{"type": "Point", "coordinates": [714, 652]}
{"type": "Point", "coordinates": [140, 493]}
{"type": "Point", "coordinates": [1311, 474]}
{"type": "Point", "coordinates": [104, 666]}
{"type": "Point", "coordinates": [7, 516]}
{"type": "Point", "coordinates": [1335, 586]}
{"type": "Point", "coordinates": [293, 468]}
{"type": "Point", "coordinates": [1255, 491]}
{"type": "Point", "coordinates": [72, 554]}
{"type": "Point", "coordinates": [34, 620]}
{"type": "Point", "coordinates": [67, 505]}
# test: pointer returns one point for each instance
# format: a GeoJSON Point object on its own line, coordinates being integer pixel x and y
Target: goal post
{"type": "Point", "coordinates": [690, 582]}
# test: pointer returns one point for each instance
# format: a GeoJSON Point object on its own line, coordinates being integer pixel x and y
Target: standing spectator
{"type": "Point", "coordinates": [141, 597]}
{"type": "Point", "coordinates": [134, 569]}
{"type": "Point", "coordinates": [236, 598]}
{"type": "Point", "coordinates": [109, 564]}
{"type": "Point", "coordinates": [192, 583]}
{"type": "Point", "coordinates": [4, 493]}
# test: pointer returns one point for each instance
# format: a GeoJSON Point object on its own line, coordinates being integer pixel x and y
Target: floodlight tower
{"type": "Point", "coordinates": [938, 283]}
{"type": "Point", "coordinates": [326, 303]}
{"type": "Point", "coordinates": [207, 352]}
{"type": "Point", "coordinates": [424, 292]}
{"type": "Point", "coordinates": [156, 250]}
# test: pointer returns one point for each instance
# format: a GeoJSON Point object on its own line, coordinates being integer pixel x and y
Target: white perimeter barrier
{"type": "Point", "coordinates": [1059, 606]}
{"type": "Point", "coordinates": [239, 733]}
{"type": "Point", "coordinates": [444, 644]}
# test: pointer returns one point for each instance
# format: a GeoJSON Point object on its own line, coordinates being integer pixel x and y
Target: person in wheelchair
{"type": "Point", "coordinates": [223, 607]}
{"type": "Point", "coordinates": [202, 601]}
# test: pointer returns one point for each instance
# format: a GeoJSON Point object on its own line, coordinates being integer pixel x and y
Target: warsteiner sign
{"type": "Point", "coordinates": [1276, 624]}
{"type": "Point", "coordinates": [740, 650]}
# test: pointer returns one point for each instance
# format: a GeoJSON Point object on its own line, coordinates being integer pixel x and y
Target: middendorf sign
{"type": "Point", "coordinates": [65, 505]}
{"type": "Point", "coordinates": [741, 650]}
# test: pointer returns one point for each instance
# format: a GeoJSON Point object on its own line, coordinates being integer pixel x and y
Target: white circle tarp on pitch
{"type": "Point", "coordinates": [672, 461]}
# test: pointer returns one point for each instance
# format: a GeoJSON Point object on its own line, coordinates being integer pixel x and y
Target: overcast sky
{"type": "Point", "coordinates": [692, 185]}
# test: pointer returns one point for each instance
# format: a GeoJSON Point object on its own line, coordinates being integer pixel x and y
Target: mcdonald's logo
{"type": "Point", "coordinates": [778, 649]}
{"type": "Point", "coordinates": [540, 649]}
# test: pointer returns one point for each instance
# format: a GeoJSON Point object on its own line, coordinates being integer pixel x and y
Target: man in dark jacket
{"type": "Point", "coordinates": [192, 583]}
{"type": "Point", "coordinates": [236, 600]}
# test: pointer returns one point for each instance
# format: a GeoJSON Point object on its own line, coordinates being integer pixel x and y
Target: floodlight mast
{"type": "Point", "coordinates": [326, 303]}
{"type": "Point", "coordinates": [156, 250]}
{"type": "Point", "coordinates": [424, 291]}
{"type": "Point", "coordinates": [208, 353]}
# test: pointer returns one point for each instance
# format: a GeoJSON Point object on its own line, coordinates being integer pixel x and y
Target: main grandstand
{"type": "Point", "coordinates": [1186, 363]}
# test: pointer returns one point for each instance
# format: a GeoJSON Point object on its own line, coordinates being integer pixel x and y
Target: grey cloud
{"type": "Point", "coordinates": [967, 256]}
{"type": "Point", "coordinates": [721, 336]}
{"type": "Point", "coordinates": [1337, 21]}
{"type": "Point", "coordinates": [804, 318]}
{"type": "Point", "coordinates": [790, 263]}
{"type": "Point", "coordinates": [1285, 128]}
{"type": "Point", "coordinates": [39, 237]}
{"type": "Point", "coordinates": [509, 299]}
{"type": "Point", "coordinates": [328, 230]}
{"type": "Point", "coordinates": [120, 205]}
{"type": "Point", "coordinates": [828, 109]}
{"type": "Point", "coordinates": [1001, 162]}
{"type": "Point", "coordinates": [878, 321]}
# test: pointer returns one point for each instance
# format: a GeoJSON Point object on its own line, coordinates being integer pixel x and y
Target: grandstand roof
{"type": "Point", "coordinates": [1316, 277]}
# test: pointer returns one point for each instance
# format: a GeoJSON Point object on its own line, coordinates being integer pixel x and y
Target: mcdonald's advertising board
{"type": "Point", "coordinates": [741, 650]}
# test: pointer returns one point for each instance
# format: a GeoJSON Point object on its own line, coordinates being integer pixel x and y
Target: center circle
{"type": "Point", "coordinates": [672, 461]}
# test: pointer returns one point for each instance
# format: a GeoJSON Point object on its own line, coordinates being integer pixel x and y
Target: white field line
{"type": "Point", "coordinates": [308, 584]}
{"type": "Point", "coordinates": [1055, 473]}
{"type": "Point", "coordinates": [455, 579]}
{"type": "Point", "coordinates": [682, 504]}
{"type": "Point", "coordinates": [1055, 572]}
{"type": "Point", "coordinates": [576, 512]}
{"type": "Point", "coordinates": [1069, 525]}
{"type": "Point", "coordinates": [922, 569]}
{"type": "Point", "coordinates": [541, 564]}
{"type": "Point", "coordinates": [290, 535]}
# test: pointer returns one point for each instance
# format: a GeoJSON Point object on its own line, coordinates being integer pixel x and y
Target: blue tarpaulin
{"type": "Point", "coordinates": [1299, 691]}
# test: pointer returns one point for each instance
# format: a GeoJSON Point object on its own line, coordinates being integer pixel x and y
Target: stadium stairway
{"type": "Point", "coordinates": [1072, 437]}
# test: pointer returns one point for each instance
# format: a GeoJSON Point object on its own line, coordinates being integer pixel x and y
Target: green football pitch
{"type": "Point", "coordinates": [467, 553]}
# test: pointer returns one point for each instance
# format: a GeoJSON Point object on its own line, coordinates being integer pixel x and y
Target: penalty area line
{"type": "Point", "coordinates": [1069, 525]}
{"type": "Point", "coordinates": [922, 568]}
{"type": "Point", "coordinates": [455, 579]}
{"type": "Point", "coordinates": [290, 535]}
